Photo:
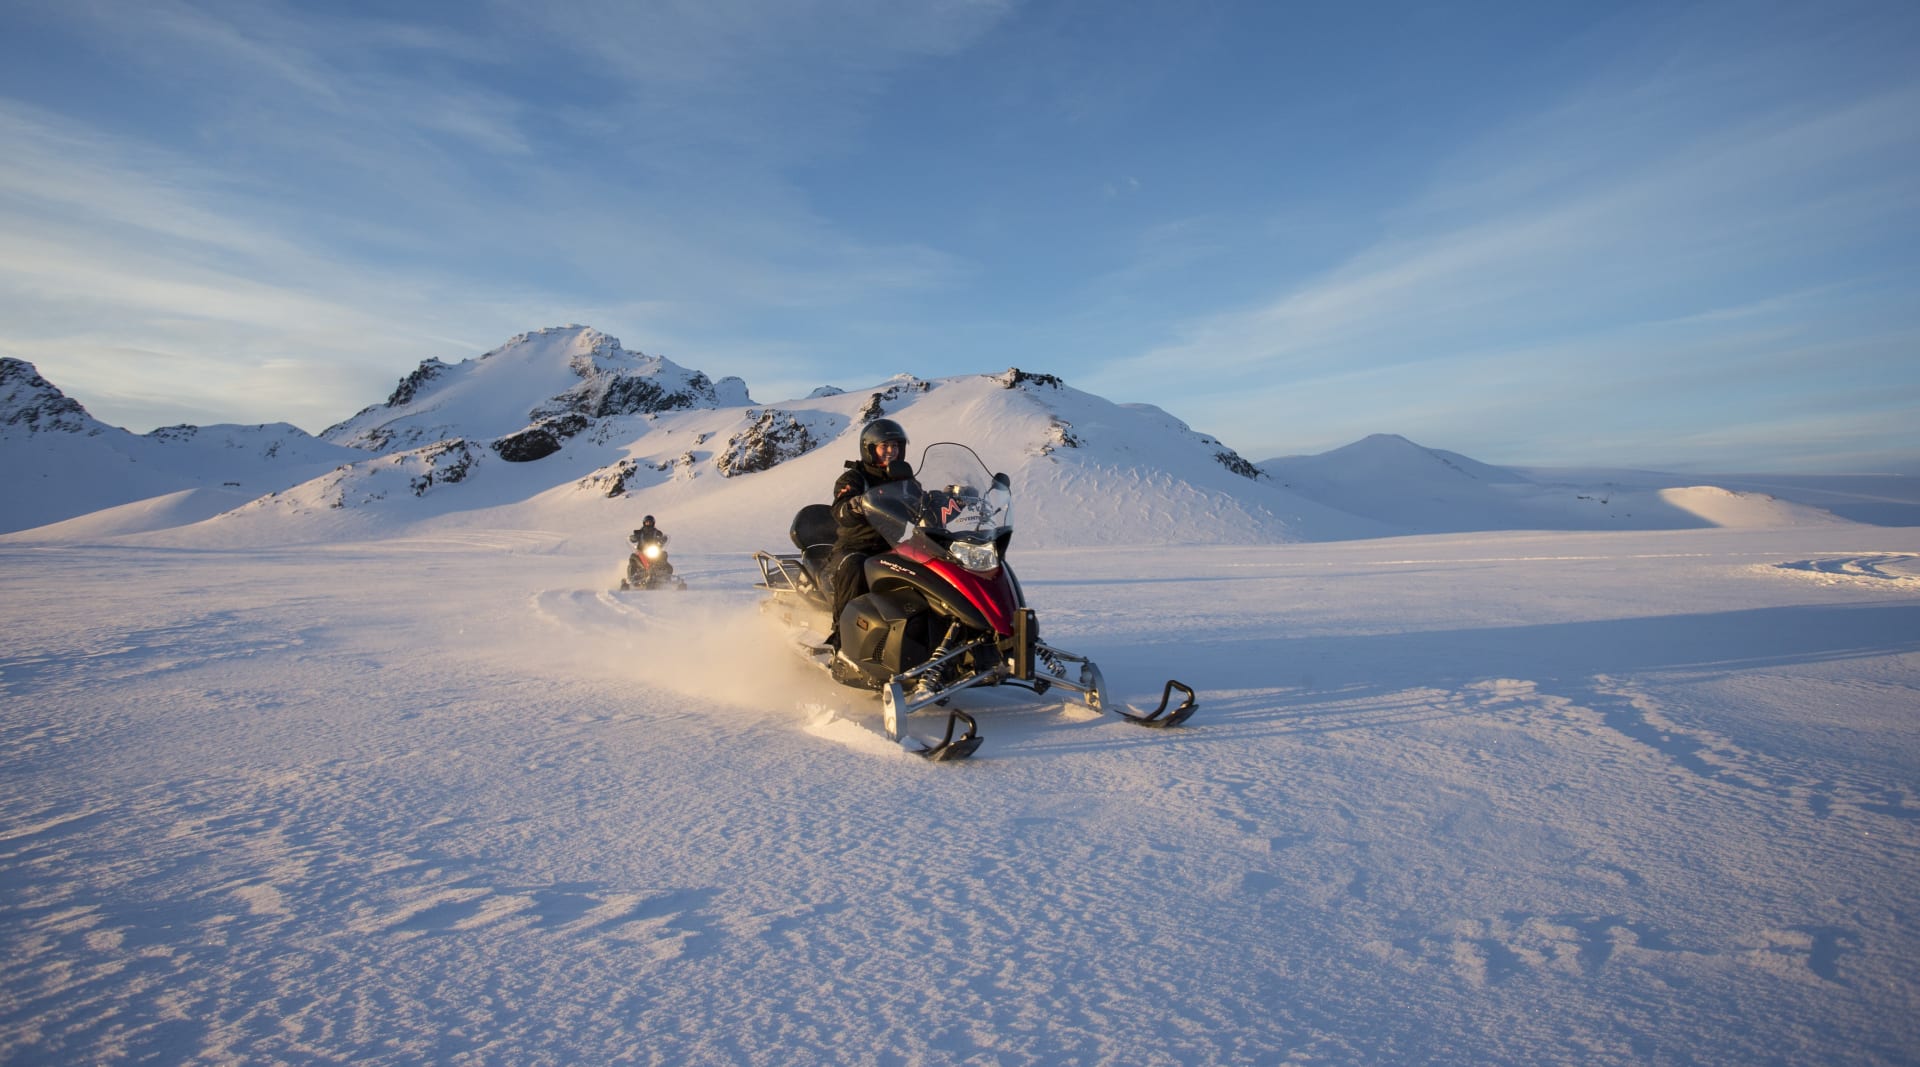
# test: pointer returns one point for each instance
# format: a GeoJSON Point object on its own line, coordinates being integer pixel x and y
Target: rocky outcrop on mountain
{"type": "Point", "coordinates": [773, 438]}
{"type": "Point", "coordinates": [31, 404]}
{"type": "Point", "coordinates": [409, 386]}
{"type": "Point", "coordinates": [540, 440]}
{"type": "Point", "coordinates": [612, 480]}
{"type": "Point", "coordinates": [904, 385]}
{"type": "Point", "coordinates": [1232, 460]}
{"type": "Point", "coordinates": [1015, 377]}
{"type": "Point", "coordinates": [1059, 435]}
{"type": "Point", "coordinates": [443, 463]}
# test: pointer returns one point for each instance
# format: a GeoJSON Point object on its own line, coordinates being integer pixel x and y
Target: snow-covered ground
{"type": "Point", "coordinates": [322, 754]}
{"type": "Point", "coordinates": [1495, 798]}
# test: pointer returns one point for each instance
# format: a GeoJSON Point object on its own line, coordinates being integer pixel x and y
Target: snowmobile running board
{"type": "Point", "coordinates": [1176, 717]}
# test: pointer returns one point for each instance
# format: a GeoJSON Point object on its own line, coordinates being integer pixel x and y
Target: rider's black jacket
{"type": "Point", "coordinates": [853, 533]}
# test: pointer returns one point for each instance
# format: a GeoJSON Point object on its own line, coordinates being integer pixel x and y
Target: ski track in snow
{"type": "Point", "coordinates": [1464, 800]}
{"type": "Point", "coordinates": [1897, 568]}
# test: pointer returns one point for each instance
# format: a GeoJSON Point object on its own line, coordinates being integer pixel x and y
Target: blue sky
{"type": "Point", "coordinates": [1673, 235]}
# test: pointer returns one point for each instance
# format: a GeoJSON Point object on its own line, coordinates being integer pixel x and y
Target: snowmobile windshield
{"type": "Point", "coordinates": [952, 499]}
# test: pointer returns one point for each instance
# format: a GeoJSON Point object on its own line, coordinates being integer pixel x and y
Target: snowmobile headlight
{"type": "Point", "coordinates": [975, 557]}
{"type": "Point", "coordinates": [652, 551]}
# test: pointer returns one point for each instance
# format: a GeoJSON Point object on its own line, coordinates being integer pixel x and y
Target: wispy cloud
{"type": "Point", "coordinates": [1519, 250]}
{"type": "Point", "coordinates": [374, 175]}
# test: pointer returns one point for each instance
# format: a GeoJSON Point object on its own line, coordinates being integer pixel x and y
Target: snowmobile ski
{"type": "Point", "coordinates": [895, 705]}
{"type": "Point", "coordinates": [1159, 717]}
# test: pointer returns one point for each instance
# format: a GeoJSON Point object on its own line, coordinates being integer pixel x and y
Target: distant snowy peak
{"type": "Point", "coordinates": [545, 385]}
{"type": "Point", "coordinates": [1386, 456]}
{"type": "Point", "coordinates": [30, 404]}
{"type": "Point", "coordinates": [219, 446]}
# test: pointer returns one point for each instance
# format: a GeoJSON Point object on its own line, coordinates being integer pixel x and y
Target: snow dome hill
{"type": "Point", "coordinates": [1413, 489]}
{"type": "Point", "coordinates": [61, 462]}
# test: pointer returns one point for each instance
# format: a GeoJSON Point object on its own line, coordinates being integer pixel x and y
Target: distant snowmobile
{"type": "Point", "coordinates": [943, 611]}
{"type": "Point", "coordinates": [647, 564]}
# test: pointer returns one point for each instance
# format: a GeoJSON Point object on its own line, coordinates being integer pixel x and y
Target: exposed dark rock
{"type": "Point", "coordinates": [1015, 377]}
{"type": "Point", "coordinates": [774, 438]}
{"type": "Point", "coordinates": [611, 481]}
{"type": "Point", "coordinates": [447, 462]}
{"type": "Point", "coordinates": [1231, 460]}
{"type": "Point", "coordinates": [633, 394]}
{"type": "Point", "coordinates": [30, 401]}
{"type": "Point", "coordinates": [1059, 435]}
{"type": "Point", "coordinates": [409, 386]}
{"type": "Point", "coordinates": [540, 440]}
{"type": "Point", "coordinates": [875, 406]}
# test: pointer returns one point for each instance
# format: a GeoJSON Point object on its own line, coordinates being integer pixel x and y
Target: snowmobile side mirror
{"type": "Point", "coordinates": [1001, 481]}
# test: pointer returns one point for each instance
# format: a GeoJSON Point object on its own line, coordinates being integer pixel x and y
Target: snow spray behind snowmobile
{"type": "Point", "coordinates": [647, 565]}
{"type": "Point", "coordinates": [943, 611]}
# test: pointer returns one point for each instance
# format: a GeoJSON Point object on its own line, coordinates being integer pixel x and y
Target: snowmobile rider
{"type": "Point", "coordinates": [647, 532]}
{"type": "Point", "coordinates": [639, 566]}
{"type": "Point", "coordinates": [883, 448]}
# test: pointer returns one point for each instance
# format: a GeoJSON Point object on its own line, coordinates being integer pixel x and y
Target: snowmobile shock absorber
{"type": "Point", "coordinates": [935, 665]}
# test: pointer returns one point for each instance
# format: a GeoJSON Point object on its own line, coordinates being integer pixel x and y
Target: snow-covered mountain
{"type": "Point", "coordinates": [563, 429]}
{"type": "Point", "coordinates": [536, 389]}
{"type": "Point", "coordinates": [59, 461]}
{"type": "Point", "coordinates": [516, 402]}
{"type": "Point", "coordinates": [1085, 470]}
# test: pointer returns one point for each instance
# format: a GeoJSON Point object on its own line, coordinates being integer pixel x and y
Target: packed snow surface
{"type": "Point", "coordinates": [1501, 798]}
{"type": "Point", "coordinates": [1490, 767]}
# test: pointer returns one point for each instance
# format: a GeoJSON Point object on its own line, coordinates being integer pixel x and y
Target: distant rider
{"type": "Point", "coordinates": [647, 534]}
{"type": "Point", "coordinates": [883, 448]}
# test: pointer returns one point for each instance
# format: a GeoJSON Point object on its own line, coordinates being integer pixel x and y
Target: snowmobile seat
{"type": "Point", "coordinates": [813, 526]}
{"type": "Point", "coordinates": [813, 533]}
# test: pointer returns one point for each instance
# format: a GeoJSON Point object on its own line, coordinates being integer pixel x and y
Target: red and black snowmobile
{"type": "Point", "coordinates": [647, 565]}
{"type": "Point", "coordinates": [943, 611]}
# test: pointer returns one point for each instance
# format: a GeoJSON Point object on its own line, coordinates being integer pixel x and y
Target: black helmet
{"type": "Point", "coordinates": [648, 521]}
{"type": "Point", "coordinates": [877, 431]}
